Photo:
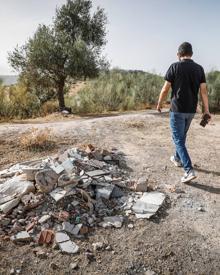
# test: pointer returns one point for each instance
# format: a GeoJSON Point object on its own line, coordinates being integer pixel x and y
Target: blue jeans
{"type": "Point", "coordinates": [179, 123]}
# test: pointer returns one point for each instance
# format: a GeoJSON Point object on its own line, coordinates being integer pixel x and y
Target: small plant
{"type": "Point", "coordinates": [37, 139]}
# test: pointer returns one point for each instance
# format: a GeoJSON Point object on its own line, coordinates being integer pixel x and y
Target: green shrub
{"type": "Point", "coordinates": [117, 90]}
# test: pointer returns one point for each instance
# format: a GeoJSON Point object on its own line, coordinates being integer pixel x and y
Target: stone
{"type": "Point", "coordinates": [31, 200]}
{"type": "Point", "coordinates": [148, 204]}
{"type": "Point", "coordinates": [8, 206]}
{"type": "Point", "coordinates": [22, 236]}
{"type": "Point", "coordinates": [141, 185]}
{"type": "Point", "coordinates": [117, 192]}
{"type": "Point", "coordinates": [44, 219]}
{"type": "Point", "coordinates": [115, 221]}
{"type": "Point", "coordinates": [61, 237]}
{"type": "Point", "coordinates": [68, 247]}
{"type": "Point", "coordinates": [74, 265]}
{"type": "Point", "coordinates": [130, 225]}
{"type": "Point", "coordinates": [104, 192]}
{"type": "Point", "coordinates": [31, 172]}
{"type": "Point", "coordinates": [97, 173]}
{"type": "Point", "coordinates": [58, 194]}
{"type": "Point", "coordinates": [15, 187]}
{"type": "Point", "coordinates": [84, 230]}
{"type": "Point", "coordinates": [76, 229]}
{"type": "Point", "coordinates": [68, 166]}
{"type": "Point", "coordinates": [46, 180]}
{"type": "Point", "coordinates": [98, 246]}
{"type": "Point", "coordinates": [107, 158]}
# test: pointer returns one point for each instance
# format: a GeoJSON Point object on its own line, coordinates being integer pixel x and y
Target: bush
{"type": "Point", "coordinates": [118, 90]}
{"type": "Point", "coordinates": [37, 140]}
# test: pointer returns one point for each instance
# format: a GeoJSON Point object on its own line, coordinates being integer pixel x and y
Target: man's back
{"type": "Point", "coordinates": [185, 77]}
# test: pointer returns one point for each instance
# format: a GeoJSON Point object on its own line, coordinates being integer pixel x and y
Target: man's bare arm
{"type": "Point", "coordinates": [163, 95]}
{"type": "Point", "coordinates": [204, 97]}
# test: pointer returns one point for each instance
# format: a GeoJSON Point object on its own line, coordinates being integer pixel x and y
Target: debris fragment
{"type": "Point", "coordinates": [22, 236]}
{"type": "Point", "coordinates": [148, 204]}
{"type": "Point", "coordinates": [115, 221]}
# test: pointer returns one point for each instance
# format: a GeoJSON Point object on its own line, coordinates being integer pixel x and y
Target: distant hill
{"type": "Point", "coordinates": [9, 79]}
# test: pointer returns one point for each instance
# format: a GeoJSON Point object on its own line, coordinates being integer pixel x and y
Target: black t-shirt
{"type": "Point", "coordinates": [185, 77]}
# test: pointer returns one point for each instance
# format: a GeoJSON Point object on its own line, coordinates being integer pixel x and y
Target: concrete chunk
{"type": "Point", "coordinates": [61, 237]}
{"type": "Point", "coordinates": [148, 204]}
{"type": "Point", "coordinates": [104, 192]}
{"type": "Point", "coordinates": [8, 206]}
{"type": "Point", "coordinates": [115, 221]}
{"type": "Point", "coordinates": [22, 236]}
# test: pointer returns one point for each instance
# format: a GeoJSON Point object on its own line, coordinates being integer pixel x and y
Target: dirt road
{"type": "Point", "coordinates": [183, 239]}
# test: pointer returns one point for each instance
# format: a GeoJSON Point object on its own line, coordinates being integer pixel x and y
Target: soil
{"type": "Point", "coordinates": [183, 238]}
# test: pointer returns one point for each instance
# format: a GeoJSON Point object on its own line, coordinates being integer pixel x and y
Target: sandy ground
{"type": "Point", "coordinates": [181, 239]}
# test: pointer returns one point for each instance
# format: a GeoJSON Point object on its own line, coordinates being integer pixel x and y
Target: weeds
{"type": "Point", "coordinates": [37, 140]}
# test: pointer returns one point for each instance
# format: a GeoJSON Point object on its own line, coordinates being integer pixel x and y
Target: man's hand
{"type": "Point", "coordinates": [163, 95]}
{"type": "Point", "coordinates": [159, 107]}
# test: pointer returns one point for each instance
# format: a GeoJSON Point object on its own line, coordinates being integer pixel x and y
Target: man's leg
{"type": "Point", "coordinates": [179, 126]}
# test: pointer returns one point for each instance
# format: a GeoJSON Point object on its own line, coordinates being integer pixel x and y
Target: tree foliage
{"type": "Point", "coordinates": [213, 79]}
{"type": "Point", "coordinates": [69, 48]}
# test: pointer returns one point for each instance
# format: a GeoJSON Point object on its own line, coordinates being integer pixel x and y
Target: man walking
{"type": "Point", "coordinates": [186, 78]}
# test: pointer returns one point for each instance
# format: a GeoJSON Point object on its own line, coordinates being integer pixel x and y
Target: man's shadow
{"type": "Point", "coordinates": [207, 171]}
{"type": "Point", "coordinates": [207, 188]}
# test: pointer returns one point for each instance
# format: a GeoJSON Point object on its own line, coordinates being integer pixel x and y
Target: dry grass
{"type": "Point", "coordinates": [37, 139]}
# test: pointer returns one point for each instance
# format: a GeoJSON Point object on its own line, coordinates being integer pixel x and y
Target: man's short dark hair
{"type": "Point", "coordinates": [185, 49]}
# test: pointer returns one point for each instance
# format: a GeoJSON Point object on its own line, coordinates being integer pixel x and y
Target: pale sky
{"type": "Point", "coordinates": [142, 34]}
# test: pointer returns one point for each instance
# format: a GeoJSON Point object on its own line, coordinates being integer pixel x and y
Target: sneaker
{"type": "Point", "coordinates": [176, 162]}
{"type": "Point", "coordinates": [188, 176]}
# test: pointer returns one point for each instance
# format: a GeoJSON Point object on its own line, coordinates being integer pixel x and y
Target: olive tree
{"type": "Point", "coordinates": [69, 48]}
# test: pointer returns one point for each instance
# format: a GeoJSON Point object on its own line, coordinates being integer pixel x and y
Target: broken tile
{"type": "Point", "coordinates": [68, 165]}
{"type": "Point", "coordinates": [58, 193]}
{"type": "Point", "coordinates": [46, 236]}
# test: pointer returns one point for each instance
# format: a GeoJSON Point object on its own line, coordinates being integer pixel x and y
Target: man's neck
{"type": "Point", "coordinates": [185, 57]}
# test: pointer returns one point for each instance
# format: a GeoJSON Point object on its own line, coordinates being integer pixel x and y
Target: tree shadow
{"type": "Point", "coordinates": [207, 188]}
{"type": "Point", "coordinates": [207, 171]}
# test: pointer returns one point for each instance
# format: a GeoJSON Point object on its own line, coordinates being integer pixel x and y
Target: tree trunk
{"type": "Point", "coordinates": [60, 93]}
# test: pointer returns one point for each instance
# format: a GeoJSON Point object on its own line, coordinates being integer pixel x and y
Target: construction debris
{"type": "Point", "coordinates": [61, 198]}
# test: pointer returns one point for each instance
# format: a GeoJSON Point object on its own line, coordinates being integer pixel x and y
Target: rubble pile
{"type": "Point", "coordinates": [63, 198]}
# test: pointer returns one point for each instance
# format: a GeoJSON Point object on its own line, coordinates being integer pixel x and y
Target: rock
{"type": "Point", "coordinates": [97, 173]}
{"type": "Point", "coordinates": [22, 236]}
{"type": "Point", "coordinates": [46, 180]}
{"type": "Point", "coordinates": [130, 225]}
{"type": "Point", "coordinates": [74, 265]}
{"type": "Point", "coordinates": [4, 221]}
{"type": "Point", "coordinates": [115, 221]}
{"type": "Point", "coordinates": [68, 247]}
{"type": "Point", "coordinates": [15, 187]}
{"type": "Point", "coordinates": [148, 204]}
{"type": "Point", "coordinates": [84, 230]}
{"type": "Point", "coordinates": [107, 158]}
{"type": "Point", "coordinates": [68, 227]}
{"type": "Point", "coordinates": [44, 218]}
{"type": "Point", "coordinates": [117, 192]}
{"type": "Point", "coordinates": [8, 206]}
{"type": "Point", "coordinates": [141, 185]}
{"type": "Point", "coordinates": [201, 209]}
{"type": "Point", "coordinates": [58, 193]}
{"type": "Point", "coordinates": [31, 200]}
{"type": "Point", "coordinates": [98, 246]}
{"type": "Point", "coordinates": [104, 192]}
{"type": "Point", "coordinates": [149, 272]}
